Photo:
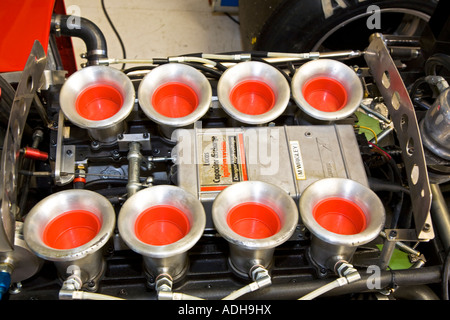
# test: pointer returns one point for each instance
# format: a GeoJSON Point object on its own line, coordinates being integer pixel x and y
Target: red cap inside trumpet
{"type": "Point", "coordinates": [99, 102]}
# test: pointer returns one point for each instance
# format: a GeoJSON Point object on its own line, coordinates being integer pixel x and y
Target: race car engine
{"type": "Point", "coordinates": [243, 175]}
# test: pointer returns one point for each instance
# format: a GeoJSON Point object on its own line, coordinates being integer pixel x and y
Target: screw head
{"type": "Point", "coordinates": [393, 234]}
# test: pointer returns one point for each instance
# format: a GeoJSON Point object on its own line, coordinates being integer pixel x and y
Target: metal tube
{"type": "Point", "coordinates": [315, 55]}
{"type": "Point", "coordinates": [134, 161]}
{"type": "Point", "coordinates": [42, 112]}
{"type": "Point", "coordinates": [374, 113]}
{"type": "Point", "coordinates": [28, 164]}
{"type": "Point", "coordinates": [92, 266]}
{"type": "Point", "coordinates": [192, 59]}
{"type": "Point", "coordinates": [402, 246]}
{"type": "Point", "coordinates": [387, 251]}
{"type": "Point", "coordinates": [235, 57]}
{"type": "Point", "coordinates": [176, 265]}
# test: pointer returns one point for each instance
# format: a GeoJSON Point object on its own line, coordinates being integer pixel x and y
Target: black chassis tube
{"type": "Point", "coordinates": [288, 291]}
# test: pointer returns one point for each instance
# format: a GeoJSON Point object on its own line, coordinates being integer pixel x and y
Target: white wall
{"type": "Point", "coordinates": [159, 28]}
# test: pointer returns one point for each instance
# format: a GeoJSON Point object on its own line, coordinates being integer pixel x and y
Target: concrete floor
{"type": "Point", "coordinates": [155, 28]}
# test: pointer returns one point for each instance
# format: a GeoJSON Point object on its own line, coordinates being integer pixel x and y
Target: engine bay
{"type": "Point", "coordinates": [243, 175]}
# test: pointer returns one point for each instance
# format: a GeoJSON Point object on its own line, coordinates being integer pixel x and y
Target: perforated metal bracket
{"type": "Point", "coordinates": [26, 89]}
{"type": "Point", "coordinates": [401, 110]}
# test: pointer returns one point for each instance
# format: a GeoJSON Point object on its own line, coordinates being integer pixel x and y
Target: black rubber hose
{"type": "Point", "coordinates": [279, 69]}
{"type": "Point", "coordinates": [158, 61]}
{"type": "Point", "coordinates": [445, 276]}
{"type": "Point", "coordinates": [84, 29]}
{"type": "Point", "coordinates": [380, 185]}
{"type": "Point", "coordinates": [422, 292]}
{"type": "Point", "coordinates": [397, 210]}
{"type": "Point", "coordinates": [104, 182]}
{"type": "Point", "coordinates": [221, 67]}
{"type": "Point", "coordinates": [214, 73]}
{"type": "Point", "coordinates": [392, 278]}
{"type": "Point", "coordinates": [140, 68]}
{"type": "Point", "coordinates": [438, 60]}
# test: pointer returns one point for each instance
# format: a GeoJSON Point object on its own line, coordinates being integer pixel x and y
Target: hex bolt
{"type": "Point", "coordinates": [95, 145]}
{"type": "Point", "coordinates": [427, 227]}
{"type": "Point", "coordinates": [392, 234]}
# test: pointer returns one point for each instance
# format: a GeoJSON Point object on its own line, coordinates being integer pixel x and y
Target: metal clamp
{"type": "Point", "coordinates": [65, 156]}
{"type": "Point", "coordinates": [125, 139]}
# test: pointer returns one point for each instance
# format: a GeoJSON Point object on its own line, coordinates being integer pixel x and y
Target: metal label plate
{"type": "Point", "coordinates": [297, 160]}
{"type": "Point", "coordinates": [221, 160]}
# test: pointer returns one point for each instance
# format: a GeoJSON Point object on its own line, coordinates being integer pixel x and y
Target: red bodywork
{"type": "Point", "coordinates": [23, 22]}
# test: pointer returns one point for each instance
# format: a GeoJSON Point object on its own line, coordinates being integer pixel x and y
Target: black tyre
{"type": "Point", "coordinates": [6, 100]}
{"type": "Point", "coordinates": [326, 25]}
